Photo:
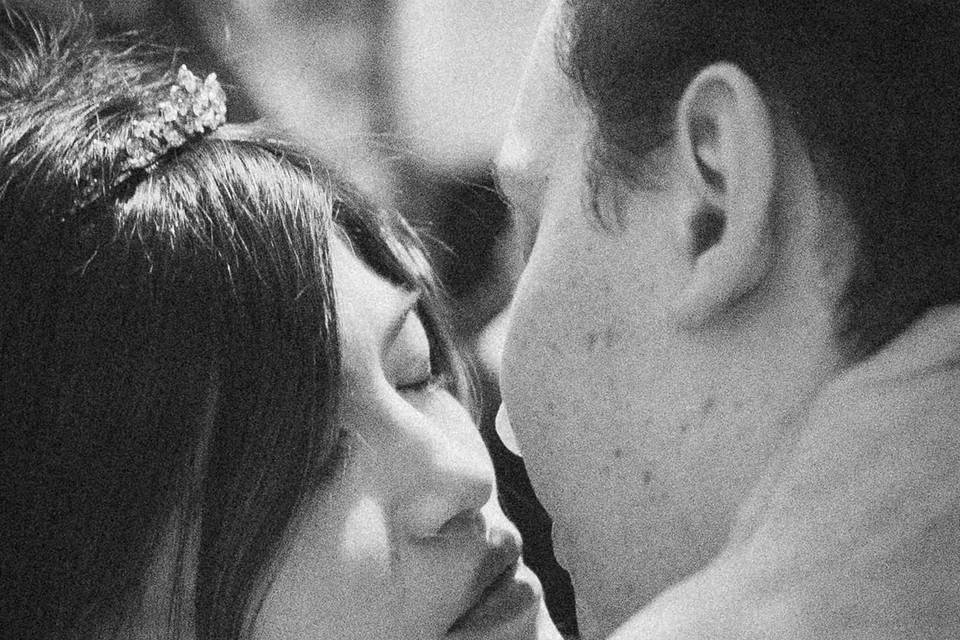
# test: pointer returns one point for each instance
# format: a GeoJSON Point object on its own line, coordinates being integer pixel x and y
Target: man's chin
{"type": "Point", "coordinates": [596, 621]}
{"type": "Point", "coordinates": [589, 623]}
{"type": "Point", "coordinates": [546, 629]}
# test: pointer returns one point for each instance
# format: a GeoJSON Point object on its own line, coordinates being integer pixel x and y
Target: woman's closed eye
{"type": "Point", "coordinates": [410, 362]}
{"type": "Point", "coordinates": [409, 366]}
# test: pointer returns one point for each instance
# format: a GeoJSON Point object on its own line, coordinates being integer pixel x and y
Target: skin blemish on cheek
{"type": "Point", "coordinates": [704, 411]}
{"type": "Point", "coordinates": [646, 477]}
{"type": "Point", "coordinates": [709, 404]}
{"type": "Point", "coordinates": [572, 282]}
{"type": "Point", "coordinates": [610, 336]}
{"type": "Point", "coordinates": [590, 340]}
{"type": "Point", "coordinates": [618, 453]}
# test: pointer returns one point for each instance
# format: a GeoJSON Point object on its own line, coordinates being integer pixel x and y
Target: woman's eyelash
{"type": "Point", "coordinates": [439, 377]}
{"type": "Point", "coordinates": [436, 380]}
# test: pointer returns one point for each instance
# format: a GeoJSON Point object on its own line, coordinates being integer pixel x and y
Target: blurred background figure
{"type": "Point", "coordinates": [411, 99]}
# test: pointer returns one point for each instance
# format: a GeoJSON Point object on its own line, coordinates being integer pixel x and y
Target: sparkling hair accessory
{"type": "Point", "coordinates": [192, 107]}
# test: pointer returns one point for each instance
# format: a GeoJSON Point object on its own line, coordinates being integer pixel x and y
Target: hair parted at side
{"type": "Point", "coordinates": [168, 350]}
{"type": "Point", "coordinates": [873, 83]}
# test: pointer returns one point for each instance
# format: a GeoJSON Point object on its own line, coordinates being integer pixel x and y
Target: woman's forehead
{"type": "Point", "coordinates": [368, 305]}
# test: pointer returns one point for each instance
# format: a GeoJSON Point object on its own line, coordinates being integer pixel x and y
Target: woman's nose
{"type": "Point", "coordinates": [447, 479]}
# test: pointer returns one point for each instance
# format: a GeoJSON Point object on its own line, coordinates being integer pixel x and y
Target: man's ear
{"type": "Point", "coordinates": [725, 140]}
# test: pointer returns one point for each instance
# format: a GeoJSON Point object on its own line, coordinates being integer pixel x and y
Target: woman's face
{"type": "Point", "coordinates": [407, 540]}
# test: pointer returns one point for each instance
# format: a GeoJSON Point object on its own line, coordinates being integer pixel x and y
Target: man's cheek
{"type": "Point", "coordinates": [546, 473]}
{"type": "Point", "coordinates": [588, 623]}
{"type": "Point", "coordinates": [597, 572]}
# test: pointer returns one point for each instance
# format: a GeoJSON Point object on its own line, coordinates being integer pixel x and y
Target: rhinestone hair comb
{"type": "Point", "coordinates": [190, 108]}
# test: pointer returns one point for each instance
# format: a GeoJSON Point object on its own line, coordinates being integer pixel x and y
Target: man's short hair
{"type": "Point", "coordinates": [874, 84]}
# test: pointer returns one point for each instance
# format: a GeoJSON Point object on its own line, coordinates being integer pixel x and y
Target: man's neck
{"type": "Point", "coordinates": [855, 532]}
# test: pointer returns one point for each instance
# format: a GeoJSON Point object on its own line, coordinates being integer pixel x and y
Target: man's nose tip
{"type": "Point", "coordinates": [505, 431]}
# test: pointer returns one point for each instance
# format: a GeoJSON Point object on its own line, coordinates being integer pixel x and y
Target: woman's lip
{"type": "Point", "coordinates": [501, 602]}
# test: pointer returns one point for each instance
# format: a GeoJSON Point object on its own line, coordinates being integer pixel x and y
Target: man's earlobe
{"type": "Point", "coordinates": [725, 140]}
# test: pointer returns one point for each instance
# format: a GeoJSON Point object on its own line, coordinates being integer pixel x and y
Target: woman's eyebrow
{"type": "Point", "coordinates": [408, 302]}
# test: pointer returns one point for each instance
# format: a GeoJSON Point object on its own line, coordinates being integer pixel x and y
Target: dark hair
{"type": "Point", "coordinates": [168, 348]}
{"type": "Point", "coordinates": [872, 83]}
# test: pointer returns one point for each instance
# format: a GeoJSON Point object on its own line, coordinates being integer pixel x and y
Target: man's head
{"type": "Point", "coordinates": [735, 201]}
